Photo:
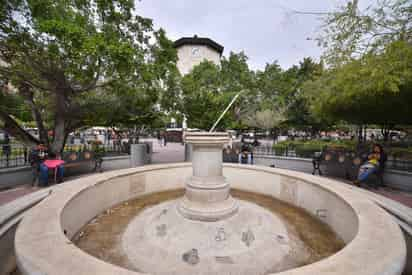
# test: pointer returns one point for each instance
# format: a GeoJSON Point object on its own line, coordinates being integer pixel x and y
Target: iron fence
{"type": "Point", "coordinates": [13, 155]}
{"type": "Point", "coordinates": [17, 155]}
{"type": "Point", "coordinates": [105, 149]}
{"type": "Point", "coordinates": [296, 152]}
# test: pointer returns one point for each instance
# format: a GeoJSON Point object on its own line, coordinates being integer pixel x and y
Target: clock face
{"type": "Point", "coordinates": [195, 51]}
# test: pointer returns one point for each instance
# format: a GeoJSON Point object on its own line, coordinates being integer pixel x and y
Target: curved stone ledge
{"type": "Point", "coordinates": [375, 244]}
{"type": "Point", "coordinates": [402, 216]}
{"type": "Point", "coordinates": [10, 216]}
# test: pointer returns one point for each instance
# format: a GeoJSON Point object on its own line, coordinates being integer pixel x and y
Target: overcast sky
{"type": "Point", "coordinates": [266, 30]}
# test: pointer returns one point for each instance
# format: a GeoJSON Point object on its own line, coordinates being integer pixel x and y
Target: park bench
{"type": "Point", "coordinates": [340, 162]}
{"type": "Point", "coordinates": [78, 159]}
{"type": "Point", "coordinates": [231, 155]}
{"type": "Point", "coordinates": [74, 159]}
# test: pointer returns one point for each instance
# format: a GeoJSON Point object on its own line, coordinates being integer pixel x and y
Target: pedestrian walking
{"type": "Point", "coordinates": [159, 139]}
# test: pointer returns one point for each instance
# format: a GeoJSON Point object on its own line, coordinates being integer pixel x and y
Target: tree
{"type": "Point", "coordinates": [12, 108]}
{"type": "Point", "coordinates": [208, 89]}
{"type": "Point", "coordinates": [73, 61]}
{"type": "Point", "coordinates": [266, 119]}
{"type": "Point", "coordinates": [203, 97]}
{"type": "Point", "coordinates": [369, 56]}
{"type": "Point", "coordinates": [375, 89]}
{"type": "Point", "coordinates": [271, 85]}
{"type": "Point", "coordinates": [298, 114]}
{"type": "Point", "coordinates": [351, 32]}
{"type": "Point", "coordinates": [277, 88]}
{"type": "Point", "coordinates": [237, 77]}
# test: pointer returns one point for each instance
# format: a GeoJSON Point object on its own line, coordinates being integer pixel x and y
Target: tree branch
{"type": "Point", "coordinates": [23, 78]}
{"type": "Point", "coordinates": [12, 127]}
{"type": "Point", "coordinates": [93, 84]}
{"type": "Point", "coordinates": [27, 94]}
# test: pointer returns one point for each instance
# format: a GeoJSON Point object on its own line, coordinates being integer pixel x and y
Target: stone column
{"type": "Point", "coordinates": [188, 152]}
{"type": "Point", "coordinates": [207, 195]}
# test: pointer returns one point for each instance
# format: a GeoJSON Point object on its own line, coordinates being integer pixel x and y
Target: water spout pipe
{"type": "Point", "coordinates": [225, 111]}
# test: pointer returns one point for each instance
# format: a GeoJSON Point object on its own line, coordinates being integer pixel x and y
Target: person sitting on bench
{"type": "Point", "coordinates": [51, 163]}
{"type": "Point", "coordinates": [245, 156]}
{"type": "Point", "coordinates": [374, 164]}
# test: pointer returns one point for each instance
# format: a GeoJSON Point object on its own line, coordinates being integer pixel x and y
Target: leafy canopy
{"type": "Point", "coordinates": [79, 62]}
{"type": "Point", "coordinates": [209, 88]}
{"type": "Point", "coordinates": [350, 32]}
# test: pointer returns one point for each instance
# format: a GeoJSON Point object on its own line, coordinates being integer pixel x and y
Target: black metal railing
{"type": "Point", "coordinates": [296, 152]}
{"type": "Point", "coordinates": [17, 155]}
{"type": "Point", "coordinates": [106, 149]}
{"type": "Point", "coordinates": [13, 155]}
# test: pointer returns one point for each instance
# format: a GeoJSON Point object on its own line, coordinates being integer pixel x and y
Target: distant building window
{"type": "Point", "coordinates": [195, 51]}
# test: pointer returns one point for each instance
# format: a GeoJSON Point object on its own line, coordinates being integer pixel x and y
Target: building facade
{"type": "Point", "coordinates": [191, 51]}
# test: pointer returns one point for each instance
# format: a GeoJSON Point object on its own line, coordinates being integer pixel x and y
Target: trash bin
{"type": "Point", "coordinates": [138, 155]}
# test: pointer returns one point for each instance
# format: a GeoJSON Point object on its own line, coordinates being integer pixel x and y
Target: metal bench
{"type": "Point", "coordinates": [76, 159]}
{"type": "Point", "coordinates": [342, 163]}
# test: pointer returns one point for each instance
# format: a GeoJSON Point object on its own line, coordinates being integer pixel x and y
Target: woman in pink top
{"type": "Point", "coordinates": [51, 163]}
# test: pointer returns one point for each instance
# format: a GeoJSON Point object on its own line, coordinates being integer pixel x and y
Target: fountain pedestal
{"type": "Point", "coordinates": [207, 231]}
{"type": "Point", "coordinates": [207, 195]}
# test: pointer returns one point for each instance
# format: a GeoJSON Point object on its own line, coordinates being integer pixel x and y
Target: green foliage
{"type": "Point", "coordinates": [375, 89]}
{"type": "Point", "coordinates": [370, 55]}
{"type": "Point", "coordinates": [79, 63]}
{"type": "Point", "coordinates": [308, 148]}
{"type": "Point", "coordinates": [350, 32]}
{"type": "Point", "coordinates": [281, 91]}
{"type": "Point", "coordinates": [266, 119]}
{"type": "Point", "coordinates": [14, 105]}
{"type": "Point", "coordinates": [208, 89]}
{"type": "Point", "coordinates": [270, 98]}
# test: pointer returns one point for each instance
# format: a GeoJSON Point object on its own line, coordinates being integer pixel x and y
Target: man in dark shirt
{"type": "Point", "coordinates": [36, 157]}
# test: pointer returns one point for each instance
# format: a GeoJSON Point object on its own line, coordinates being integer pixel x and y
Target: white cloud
{"type": "Point", "coordinates": [266, 30]}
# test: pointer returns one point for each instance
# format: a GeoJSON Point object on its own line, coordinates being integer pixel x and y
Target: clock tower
{"type": "Point", "coordinates": [191, 51]}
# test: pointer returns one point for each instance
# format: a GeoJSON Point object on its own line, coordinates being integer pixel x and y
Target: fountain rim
{"type": "Point", "coordinates": [32, 237]}
{"type": "Point", "coordinates": [207, 138]}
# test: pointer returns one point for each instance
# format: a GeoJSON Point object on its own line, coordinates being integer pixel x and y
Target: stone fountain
{"type": "Point", "coordinates": [206, 231]}
{"type": "Point", "coordinates": [207, 196]}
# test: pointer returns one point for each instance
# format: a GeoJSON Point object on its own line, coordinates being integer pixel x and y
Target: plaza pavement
{"type": "Point", "coordinates": [174, 152]}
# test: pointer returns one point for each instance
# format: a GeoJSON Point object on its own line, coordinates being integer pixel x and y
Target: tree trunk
{"type": "Point", "coordinates": [60, 123]}
{"type": "Point", "coordinates": [59, 136]}
{"type": "Point", "coordinates": [40, 125]}
{"type": "Point", "coordinates": [274, 134]}
{"type": "Point", "coordinates": [385, 133]}
{"type": "Point", "coordinates": [360, 135]}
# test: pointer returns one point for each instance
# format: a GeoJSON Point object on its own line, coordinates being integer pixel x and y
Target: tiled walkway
{"type": "Point", "coordinates": [12, 194]}
{"type": "Point", "coordinates": [399, 196]}
{"type": "Point", "coordinates": [402, 197]}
